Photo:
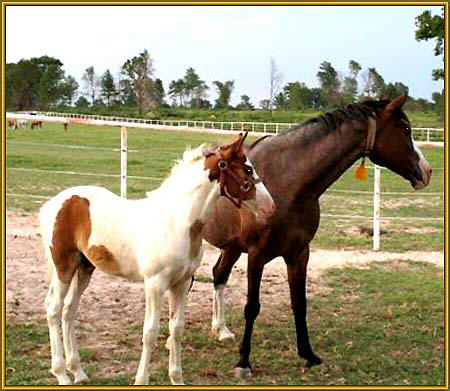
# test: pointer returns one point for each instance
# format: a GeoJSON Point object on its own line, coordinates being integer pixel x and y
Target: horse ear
{"type": "Point", "coordinates": [397, 103]}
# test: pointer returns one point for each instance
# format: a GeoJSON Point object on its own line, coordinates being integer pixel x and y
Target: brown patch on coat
{"type": "Point", "coordinates": [195, 236]}
{"type": "Point", "coordinates": [71, 233]}
{"type": "Point", "coordinates": [102, 258]}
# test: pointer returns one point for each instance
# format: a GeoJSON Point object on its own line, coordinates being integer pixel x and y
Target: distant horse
{"type": "Point", "coordinates": [157, 240]}
{"type": "Point", "coordinates": [12, 123]}
{"type": "Point", "coordinates": [298, 166]}
{"type": "Point", "coordinates": [36, 124]}
{"type": "Point", "coordinates": [21, 123]}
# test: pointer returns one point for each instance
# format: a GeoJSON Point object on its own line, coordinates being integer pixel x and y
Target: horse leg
{"type": "Point", "coordinates": [177, 304]}
{"type": "Point", "coordinates": [79, 283]}
{"type": "Point", "coordinates": [54, 302]}
{"type": "Point", "coordinates": [154, 291]}
{"type": "Point", "coordinates": [221, 272]}
{"type": "Point", "coordinates": [297, 268]}
{"type": "Point", "coordinates": [251, 311]}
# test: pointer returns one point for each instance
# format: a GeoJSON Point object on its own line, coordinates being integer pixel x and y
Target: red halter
{"type": "Point", "coordinates": [245, 185]}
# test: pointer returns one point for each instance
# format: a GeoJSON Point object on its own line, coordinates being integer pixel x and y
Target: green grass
{"type": "Point", "coordinates": [152, 153]}
{"type": "Point", "coordinates": [378, 325]}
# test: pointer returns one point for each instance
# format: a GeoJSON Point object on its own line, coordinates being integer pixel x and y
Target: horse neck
{"type": "Point", "coordinates": [314, 157]}
{"type": "Point", "coordinates": [190, 192]}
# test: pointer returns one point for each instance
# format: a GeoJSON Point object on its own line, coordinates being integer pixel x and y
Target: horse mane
{"type": "Point", "coordinates": [190, 156]}
{"type": "Point", "coordinates": [355, 111]}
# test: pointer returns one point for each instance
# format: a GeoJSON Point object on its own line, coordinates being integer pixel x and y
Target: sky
{"type": "Point", "coordinates": [229, 42]}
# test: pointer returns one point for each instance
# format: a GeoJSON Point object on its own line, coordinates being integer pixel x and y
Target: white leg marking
{"type": "Point", "coordinates": [177, 303]}
{"type": "Point", "coordinates": [154, 291]}
{"type": "Point", "coordinates": [219, 326]}
{"type": "Point", "coordinates": [54, 306]}
{"type": "Point", "coordinates": [79, 283]}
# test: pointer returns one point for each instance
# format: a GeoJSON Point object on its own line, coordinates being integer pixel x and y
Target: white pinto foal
{"type": "Point", "coordinates": [157, 240]}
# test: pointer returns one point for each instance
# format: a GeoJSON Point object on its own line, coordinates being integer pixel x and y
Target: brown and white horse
{"type": "Point", "coordinates": [157, 240]}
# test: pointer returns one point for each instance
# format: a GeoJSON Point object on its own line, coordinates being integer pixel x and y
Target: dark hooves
{"type": "Point", "coordinates": [313, 360]}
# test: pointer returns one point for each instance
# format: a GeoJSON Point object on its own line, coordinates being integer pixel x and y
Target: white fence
{"type": "Point", "coordinates": [427, 135]}
{"type": "Point", "coordinates": [177, 125]}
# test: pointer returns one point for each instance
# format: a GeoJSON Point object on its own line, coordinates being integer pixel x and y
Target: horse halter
{"type": "Point", "coordinates": [371, 132]}
{"type": "Point", "coordinates": [245, 185]}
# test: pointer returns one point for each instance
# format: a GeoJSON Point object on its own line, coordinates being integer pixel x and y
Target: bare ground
{"type": "Point", "coordinates": [110, 304]}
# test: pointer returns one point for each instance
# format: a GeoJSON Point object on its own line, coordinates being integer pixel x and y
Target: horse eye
{"type": "Point", "coordinates": [249, 170]}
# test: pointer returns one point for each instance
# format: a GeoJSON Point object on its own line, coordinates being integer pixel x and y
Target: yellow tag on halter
{"type": "Point", "coordinates": [361, 173]}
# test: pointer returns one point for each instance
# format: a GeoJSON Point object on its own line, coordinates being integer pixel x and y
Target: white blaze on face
{"type": "Point", "coordinates": [424, 167]}
{"type": "Point", "coordinates": [263, 204]}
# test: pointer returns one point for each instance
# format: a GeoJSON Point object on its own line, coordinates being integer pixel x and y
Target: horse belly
{"type": "Point", "coordinates": [112, 245]}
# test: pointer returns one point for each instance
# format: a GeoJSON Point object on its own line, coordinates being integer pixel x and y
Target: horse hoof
{"type": "Point", "coordinates": [242, 373]}
{"type": "Point", "coordinates": [64, 381]}
{"type": "Point", "coordinates": [82, 380]}
{"type": "Point", "coordinates": [226, 336]}
{"type": "Point", "coordinates": [311, 361]}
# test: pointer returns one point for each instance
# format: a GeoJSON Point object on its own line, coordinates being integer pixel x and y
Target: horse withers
{"type": "Point", "coordinates": [297, 167]}
{"type": "Point", "coordinates": [157, 240]}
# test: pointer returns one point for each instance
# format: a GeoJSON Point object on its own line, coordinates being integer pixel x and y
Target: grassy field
{"type": "Point", "coordinates": [378, 325]}
{"type": "Point", "coordinates": [42, 163]}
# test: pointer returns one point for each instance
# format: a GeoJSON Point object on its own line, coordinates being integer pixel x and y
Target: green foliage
{"type": "Point", "coordinates": [245, 103]}
{"type": "Point", "coordinates": [91, 83]}
{"type": "Point", "coordinates": [108, 87]}
{"type": "Point", "coordinates": [224, 89]}
{"type": "Point", "coordinates": [37, 83]}
{"type": "Point", "coordinates": [329, 82]}
{"type": "Point", "coordinates": [190, 90]}
{"type": "Point", "coordinates": [432, 27]}
{"type": "Point", "coordinates": [139, 71]}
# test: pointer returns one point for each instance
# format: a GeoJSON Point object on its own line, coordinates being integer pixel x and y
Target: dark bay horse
{"type": "Point", "coordinates": [297, 167]}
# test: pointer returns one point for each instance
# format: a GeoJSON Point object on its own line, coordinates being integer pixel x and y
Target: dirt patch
{"type": "Point", "coordinates": [110, 303]}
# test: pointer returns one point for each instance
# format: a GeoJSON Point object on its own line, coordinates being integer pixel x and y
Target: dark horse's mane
{"type": "Point", "coordinates": [332, 120]}
{"type": "Point", "coordinates": [355, 111]}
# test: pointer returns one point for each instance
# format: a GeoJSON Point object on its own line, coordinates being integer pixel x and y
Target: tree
{"type": "Point", "coordinates": [329, 82]}
{"type": "Point", "coordinates": [264, 104]}
{"type": "Point", "coordinates": [392, 90]}
{"type": "Point", "coordinates": [34, 83]}
{"type": "Point", "coordinates": [245, 104]}
{"type": "Point", "coordinates": [350, 84]}
{"type": "Point", "coordinates": [108, 88]}
{"type": "Point", "coordinates": [139, 71]}
{"type": "Point", "coordinates": [432, 27]}
{"type": "Point", "coordinates": [374, 85]}
{"type": "Point", "coordinates": [298, 96]}
{"type": "Point", "coordinates": [82, 102]}
{"type": "Point", "coordinates": [275, 83]}
{"type": "Point", "coordinates": [68, 89]}
{"type": "Point", "coordinates": [224, 90]}
{"type": "Point", "coordinates": [438, 102]}
{"type": "Point", "coordinates": [91, 83]}
{"type": "Point", "coordinates": [176, 90]}
{"type": "Point", "coordinates": [159, 92]}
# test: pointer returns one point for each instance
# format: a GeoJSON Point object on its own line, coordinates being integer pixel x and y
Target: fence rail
{"type": "Point", "coordinates": [428, 135]}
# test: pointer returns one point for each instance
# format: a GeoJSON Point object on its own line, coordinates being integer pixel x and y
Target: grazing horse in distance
{"type": "Point", "coordinates": [298, 166]}
{"type": "Point", "coordinates": [157, 240]}
{"type": "Point", "coordinates": [36, 124]}
{"type": "Point", "coordinates": [12, 123]}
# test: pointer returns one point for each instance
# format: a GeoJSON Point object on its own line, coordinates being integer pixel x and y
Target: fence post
{"type": "Point", "coordinates": [376, 208]}
{"type": "Point", "coordinates": [123, 162]}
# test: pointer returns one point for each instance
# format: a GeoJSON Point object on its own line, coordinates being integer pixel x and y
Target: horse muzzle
{"type": "Point", "coordinates": [426, 171]}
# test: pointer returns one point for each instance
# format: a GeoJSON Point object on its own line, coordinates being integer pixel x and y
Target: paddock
{"type": "Point", "coordinates": [41, 163]}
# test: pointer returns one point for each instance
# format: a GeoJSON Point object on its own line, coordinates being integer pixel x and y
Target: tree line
{"type": "Point", "coordinates": [41, 83]}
